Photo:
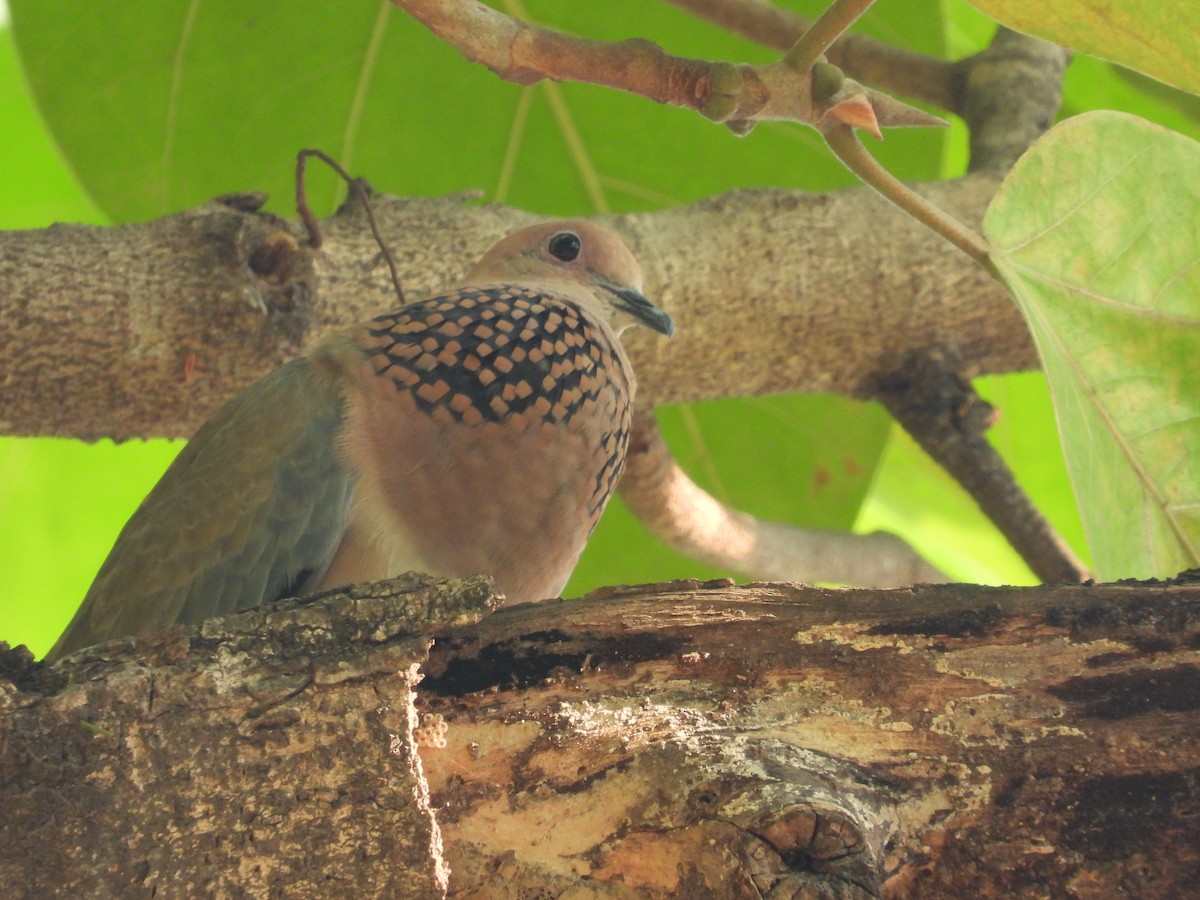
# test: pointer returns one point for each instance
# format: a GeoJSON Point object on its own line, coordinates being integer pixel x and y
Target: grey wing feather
{"type": "Point", "coordinates": [251, 510]}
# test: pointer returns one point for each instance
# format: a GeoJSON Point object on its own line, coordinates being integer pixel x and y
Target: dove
{"type": "Point", "coordinates": [481, 430]}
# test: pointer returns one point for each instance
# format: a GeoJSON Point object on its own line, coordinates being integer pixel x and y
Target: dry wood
{"type": "Point", "coordinates": [270, 753]}
{"type": "Point", "coordinates": [680, 740]}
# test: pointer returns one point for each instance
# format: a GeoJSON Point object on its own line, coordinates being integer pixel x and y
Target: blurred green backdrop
{"type": "Point", "coordinates": [139, 109]}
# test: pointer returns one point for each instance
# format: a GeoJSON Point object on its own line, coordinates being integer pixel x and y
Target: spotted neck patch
{"type": "Point", "coordinates": [490, 354]}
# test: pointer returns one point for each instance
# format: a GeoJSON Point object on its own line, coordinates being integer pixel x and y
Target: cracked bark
{"type": "Point", "coordinates": [682, 739]}
{"type": "Point", "coordinates": [258, 755]}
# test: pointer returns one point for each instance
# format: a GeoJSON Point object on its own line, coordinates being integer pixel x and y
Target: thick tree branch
{"type": "Point", "coordinates": [142, 330]}
{"type": "Point", "coordinates": [679, 740]}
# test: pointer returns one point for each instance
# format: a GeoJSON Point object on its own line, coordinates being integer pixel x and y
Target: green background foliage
{"type": "Point", "coordinates": [138, 109]}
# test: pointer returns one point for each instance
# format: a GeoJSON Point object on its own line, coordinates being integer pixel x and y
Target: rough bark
{"type": "Point", "coordinates": [269, 754]}
{"type": "Point", "coordinates": [142, 330]}
{"type": "Point", "coordinates": [679, 740]}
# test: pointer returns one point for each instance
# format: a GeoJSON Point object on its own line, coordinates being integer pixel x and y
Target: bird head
{"type": "Point", "coordinates": [576, 255]}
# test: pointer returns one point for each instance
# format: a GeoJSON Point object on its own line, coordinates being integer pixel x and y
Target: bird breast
{"type": "Point", "coordinates": [490, 433]}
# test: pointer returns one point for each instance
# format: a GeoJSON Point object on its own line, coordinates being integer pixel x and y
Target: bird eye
{"type": "Point", "coordinates": [564, 246]}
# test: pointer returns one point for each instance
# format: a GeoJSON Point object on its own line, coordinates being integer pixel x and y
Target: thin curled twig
{"type": "Point", "coordinates": [360, 190]}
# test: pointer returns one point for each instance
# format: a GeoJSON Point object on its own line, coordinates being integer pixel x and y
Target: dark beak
{"type": "Point", "coordinates": [634, 303]}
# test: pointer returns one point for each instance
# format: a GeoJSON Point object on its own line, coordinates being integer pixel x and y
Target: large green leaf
{"type": "Point", "coordinates": [1157, 37]}
{"type": "Point", "coordinates": [37, 187]}
{"type": "Point", "coordinates": [1097, 232]}
{"type": "Point", "coordinates": [159, 106]}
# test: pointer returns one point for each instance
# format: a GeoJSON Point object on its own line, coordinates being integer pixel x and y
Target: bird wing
{"type": "Point", "coordinates": [251, 510]}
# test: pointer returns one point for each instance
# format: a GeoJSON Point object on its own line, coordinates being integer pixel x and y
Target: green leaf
{"type": "Point", "coordinates": [160, 106]}
{"type": "Point", "coordinates": [1097, 233]}
{"type": "Point", "coordinates": [40, 189]}
{"type": "Point", "coordinates": [1158, 38]}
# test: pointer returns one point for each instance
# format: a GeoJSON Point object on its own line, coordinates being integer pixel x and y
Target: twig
{"type": "Point", "coordinates": [849, 149]}
{"type": "Point", "coordinates": [360, 190]}
{"type": "Point", "coordinates": [832, 24]}
{"type": "Point", "coordinates": [720, 91]}
{"type": "Point", "coordinates": [688, 519]}
{"type": "Point", "coordinates": [949, 420]}
{"type": "Point", "coordinates": [865, 59]}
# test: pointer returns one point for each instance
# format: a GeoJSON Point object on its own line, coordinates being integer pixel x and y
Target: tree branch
{"type": "Point", "coordinates": [1011, 93]}
{"type": "Point", "coordinates": [720, 91]}
{"type": "Point", "coordinates": [865, 59]}
{"type": "Point", "coordinates": [685, 517]}
{"type": "Point", "coordinates": [680, 740]}
{"type": "Point", "coordinates": [142, 330]}
{"type": "Point", "coordinates": [945, 415]}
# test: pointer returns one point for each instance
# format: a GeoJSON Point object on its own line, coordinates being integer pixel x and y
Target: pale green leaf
{"type": "Point", "coordinates": [1097, 232]}
{"type": "Point", "coordinates": [1158, 37]}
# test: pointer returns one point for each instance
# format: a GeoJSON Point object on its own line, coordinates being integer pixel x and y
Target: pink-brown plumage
{"type": "Point", "coordinates": [481, 430]}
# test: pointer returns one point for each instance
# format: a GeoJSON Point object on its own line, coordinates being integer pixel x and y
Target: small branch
{"type": "Point", "coordinates": [360, 190]}
{"type": "Point", "coordinates": [865, 59]}
{"type": "Point", "coordinates": [525, 54]}
{"type": "Point", "coordinates": [721, 91]}
{"type": "Point", "coordinates": [832, 24]}
{"type": "Point", "coordinates": [846, 145]}
{"type": "Point", "coordinates": [688, 519]}
{"type": "Point", "coordinates": [949, 420]}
